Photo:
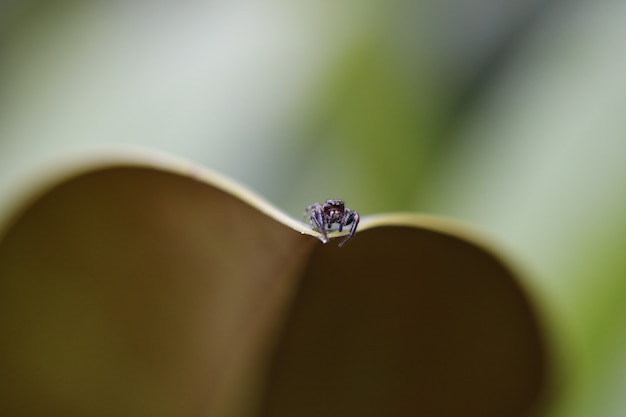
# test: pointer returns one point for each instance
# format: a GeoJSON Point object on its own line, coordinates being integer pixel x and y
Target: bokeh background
{"type": "Point", "coordinates": [509, 115]}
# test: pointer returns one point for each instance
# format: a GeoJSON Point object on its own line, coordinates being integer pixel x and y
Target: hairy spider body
{"type": "Point", "coordinates": [333, 212]}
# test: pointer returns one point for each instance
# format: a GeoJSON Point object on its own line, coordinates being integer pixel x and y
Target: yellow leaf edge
{"type": "Point", "coordinates": [56, 169]}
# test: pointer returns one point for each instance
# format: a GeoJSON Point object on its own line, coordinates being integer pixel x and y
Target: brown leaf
{"type": "Point", "coordinates": [407, 321]}
{"type": "Point", "coordinates": [137, 287]}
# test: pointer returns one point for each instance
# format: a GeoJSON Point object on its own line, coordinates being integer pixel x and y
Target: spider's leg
{"type": "Point", "coordinates": [318, 221]}
{"type": "Point", "coordinates": [352, 218]}
{"type": "Point", "coordinates": [308, 210]}
{"type": "Point", "coordinates": [345, 219]}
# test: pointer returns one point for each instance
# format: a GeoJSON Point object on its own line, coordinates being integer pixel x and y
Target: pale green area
{"type": "Point", "coordinates": [509, 115]}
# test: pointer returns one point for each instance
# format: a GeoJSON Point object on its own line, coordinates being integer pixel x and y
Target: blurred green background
{"type": "Point", "coordinates": [508, 114]}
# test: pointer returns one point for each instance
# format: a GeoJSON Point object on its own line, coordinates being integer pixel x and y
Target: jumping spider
{"type": "Point", "coordinates": [323, 217]}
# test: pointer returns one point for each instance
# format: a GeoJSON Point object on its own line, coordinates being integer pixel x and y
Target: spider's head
{"type": "Point", "coordinates": [334, 209]}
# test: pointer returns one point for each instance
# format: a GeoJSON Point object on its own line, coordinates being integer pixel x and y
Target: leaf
{"type": "Point", "coordinates": [407, 320]}
{"type": "Point", "coordinates": [143, 285]}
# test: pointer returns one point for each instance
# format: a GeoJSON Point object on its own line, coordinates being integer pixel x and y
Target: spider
{"type": "Point", "coordinates": [323, 217]}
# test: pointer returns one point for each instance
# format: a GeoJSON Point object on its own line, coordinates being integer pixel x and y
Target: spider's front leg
{"type": "Point", "coordinates": [318, 220]}
{"type": "Point", "coordinates": [352, 218]}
